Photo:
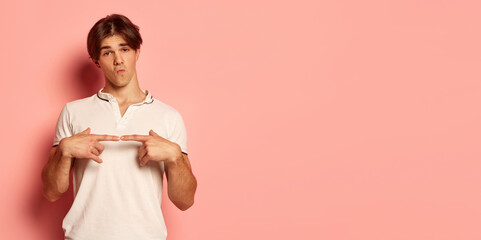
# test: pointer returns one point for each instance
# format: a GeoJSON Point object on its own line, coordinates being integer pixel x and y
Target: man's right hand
{"type": "Point", "coordinates": [85, 145]}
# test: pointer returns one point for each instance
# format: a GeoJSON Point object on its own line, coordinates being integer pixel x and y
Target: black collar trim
{"type": "Point", "coordinates": [102, 98]}
{"type": "Point", "coordinates": [151, 99]}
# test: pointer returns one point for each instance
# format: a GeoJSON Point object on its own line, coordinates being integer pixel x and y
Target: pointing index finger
{"type": "Point", "coordinates": [138, 138]}
{"type": "Point", "coordinates": [105, 137]}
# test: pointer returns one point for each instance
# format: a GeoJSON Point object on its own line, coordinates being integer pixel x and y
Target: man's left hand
{"type": "Point", "coordinates": [155, 148]}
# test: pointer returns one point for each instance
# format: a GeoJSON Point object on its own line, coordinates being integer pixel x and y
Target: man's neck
{"type": "Point", "coordinates": [128, 94]}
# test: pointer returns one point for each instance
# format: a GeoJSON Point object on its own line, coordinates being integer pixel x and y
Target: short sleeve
{"type": "Point", "coordinates": [64, 127]}
{"type": "Point", "coordinates": [178, 133]}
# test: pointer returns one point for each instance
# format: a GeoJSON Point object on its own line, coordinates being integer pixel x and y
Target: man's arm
{"type": "Point", "coordinates": [55, 174]}
{"type": "Point", "coordinates": [181, 182]}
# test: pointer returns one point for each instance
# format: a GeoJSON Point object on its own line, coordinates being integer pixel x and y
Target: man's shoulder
{"type": "Point", "coordinates": [82, 102]}
{"type": "Point", "coordinates": [163, 107]}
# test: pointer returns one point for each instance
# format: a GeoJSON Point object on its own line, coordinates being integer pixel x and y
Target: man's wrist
{"type": "Point", "coordinates": [177, 157]}
{"type": "Point", "coordinates": [63, 149]}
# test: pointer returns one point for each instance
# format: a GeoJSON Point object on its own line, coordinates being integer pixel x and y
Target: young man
{"type": "Point", "coordinates": [118, 143]}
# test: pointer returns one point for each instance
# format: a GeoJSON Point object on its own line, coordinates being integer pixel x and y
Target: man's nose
{"type": "Point", "coordinates": [118, 59]}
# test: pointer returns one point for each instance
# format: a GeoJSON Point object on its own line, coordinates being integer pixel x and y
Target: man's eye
{"type": "Point", "coordinates": [106, 53]}
{"type": "Point", "coordinates": [125, 49]}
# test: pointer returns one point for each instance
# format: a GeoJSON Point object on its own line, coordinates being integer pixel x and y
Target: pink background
{"type": "Point", "coordinates": [306, 119]}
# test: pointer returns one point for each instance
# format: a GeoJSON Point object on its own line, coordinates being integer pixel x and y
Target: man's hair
{"type": "Point", "coordinates": [114, 24]}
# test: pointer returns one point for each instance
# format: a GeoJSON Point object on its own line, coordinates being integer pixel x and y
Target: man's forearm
{"type": "Point", "coordinates": [55, 175]}
{"type": "Point", "coordinates": [181, 183]}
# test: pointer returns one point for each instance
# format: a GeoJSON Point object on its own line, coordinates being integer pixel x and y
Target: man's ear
{"type": "Point", "coordinates": [96, 62]}
{"type": "Point", "coordinates": [137, 54]}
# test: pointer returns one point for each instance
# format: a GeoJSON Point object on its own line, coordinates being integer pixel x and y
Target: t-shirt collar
{"type": "Point", "coordinates": [108, 97]}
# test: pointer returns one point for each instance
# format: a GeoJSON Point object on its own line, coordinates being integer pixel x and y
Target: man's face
{"type": "Point", "coordinates": [118, 61]}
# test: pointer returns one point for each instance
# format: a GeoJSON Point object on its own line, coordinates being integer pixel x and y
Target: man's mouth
{"type": "Point", "coordinates": [120, 71]}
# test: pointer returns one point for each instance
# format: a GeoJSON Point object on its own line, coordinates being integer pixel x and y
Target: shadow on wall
{"type": "Point", "coordinates": [84, 79]}
{"type": "Point", "coordinates": [87, 78]}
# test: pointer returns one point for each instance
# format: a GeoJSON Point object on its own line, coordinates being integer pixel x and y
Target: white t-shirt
{"type": "Point", "coordinates": [118, 199]}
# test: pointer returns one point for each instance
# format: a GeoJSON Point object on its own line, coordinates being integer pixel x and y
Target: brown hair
{"type": "Point", "coordinates": [114, 24]}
